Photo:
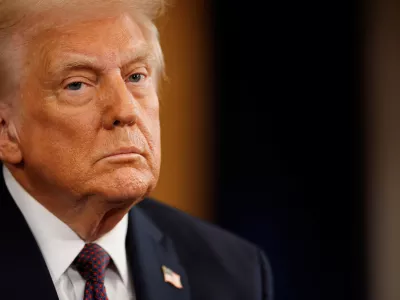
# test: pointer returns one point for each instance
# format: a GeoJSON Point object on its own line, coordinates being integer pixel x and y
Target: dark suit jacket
{"type": "Point", "coordinates": [213, 264]}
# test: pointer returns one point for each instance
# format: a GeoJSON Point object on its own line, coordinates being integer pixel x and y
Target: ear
{"type": "Point", "coordinates": [10, 149]}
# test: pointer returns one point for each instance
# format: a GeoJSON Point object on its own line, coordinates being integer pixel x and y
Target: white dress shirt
{"type": "Point", "coordinates": [60, 245]}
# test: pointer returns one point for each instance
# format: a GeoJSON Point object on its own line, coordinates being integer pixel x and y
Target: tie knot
{"type": "Point", "coordinates": [92, 262]}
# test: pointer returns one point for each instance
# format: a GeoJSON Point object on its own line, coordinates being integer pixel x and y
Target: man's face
{"type": "Point", "coordinates": [88, 120]}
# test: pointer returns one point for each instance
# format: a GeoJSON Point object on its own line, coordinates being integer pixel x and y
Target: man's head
{"type": "Point", "coordinates": [78, 88]}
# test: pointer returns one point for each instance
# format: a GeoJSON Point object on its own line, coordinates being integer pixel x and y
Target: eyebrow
{"type": "Point", "coordinates": [78, 61]}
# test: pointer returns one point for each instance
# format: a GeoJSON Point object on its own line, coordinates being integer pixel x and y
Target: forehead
{"type": "Point", "coordinates": [108, 40]}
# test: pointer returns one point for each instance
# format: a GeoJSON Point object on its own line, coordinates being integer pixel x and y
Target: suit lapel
{"type": "Point", "coordinates": [24, 273]}
{"type": "Point", "coordinates": [149, 250]}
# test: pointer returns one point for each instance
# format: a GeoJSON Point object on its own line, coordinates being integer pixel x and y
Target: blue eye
{"type": "Point", "coordinates": [135, 77]}
{"type": "Point", "coordinates": [75, 86]}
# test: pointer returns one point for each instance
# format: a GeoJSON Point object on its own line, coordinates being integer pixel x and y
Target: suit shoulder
{"type": "Point", "coordinates": [213, 255]}
{"type": "Point", "coordinates": [196, 234]}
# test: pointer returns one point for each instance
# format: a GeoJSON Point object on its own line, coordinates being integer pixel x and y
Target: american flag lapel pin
{"type": "Point", "coordinates": [171, 277]}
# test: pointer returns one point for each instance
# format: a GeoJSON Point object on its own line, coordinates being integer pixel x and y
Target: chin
{"type": "Point", "coordinates": [124, 185]}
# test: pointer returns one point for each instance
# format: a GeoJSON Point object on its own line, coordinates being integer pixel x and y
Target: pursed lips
{"type": "Point", "coordinates": [125, 150]}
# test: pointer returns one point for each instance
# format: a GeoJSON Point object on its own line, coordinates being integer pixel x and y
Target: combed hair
{"type": "Point", "coordinates": [30, 16]}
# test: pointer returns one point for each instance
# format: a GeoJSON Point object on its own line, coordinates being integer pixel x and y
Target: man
{"type": "Point", "coordinates": [80, 146]}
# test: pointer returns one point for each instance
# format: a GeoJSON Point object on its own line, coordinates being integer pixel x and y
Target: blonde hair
{"type": "Point", "coordinates": [25, 17]}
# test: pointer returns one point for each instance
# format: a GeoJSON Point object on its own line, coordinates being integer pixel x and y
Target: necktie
{"type": "Point", "coordinates": [92, 263]}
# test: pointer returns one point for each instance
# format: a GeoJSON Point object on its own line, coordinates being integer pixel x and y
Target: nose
{"type": "Point", "coordinates": [121, 108]}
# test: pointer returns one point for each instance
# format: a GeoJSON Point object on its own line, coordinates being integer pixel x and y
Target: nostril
{"type": "Point", "coordinates": [117, 122]}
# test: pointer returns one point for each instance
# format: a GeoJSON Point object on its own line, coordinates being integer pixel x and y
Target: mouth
{"type": "Point", "coordinates": [124, 154]}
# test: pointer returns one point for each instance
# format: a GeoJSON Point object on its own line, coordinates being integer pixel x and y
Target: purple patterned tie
{"type": "Point", "coordinates": [92, 263]}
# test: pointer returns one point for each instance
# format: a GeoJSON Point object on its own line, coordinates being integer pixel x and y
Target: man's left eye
{"type": "Point", "coordinates": [136, 77]}
{"type": "Point", "coordinates": [75, 86]}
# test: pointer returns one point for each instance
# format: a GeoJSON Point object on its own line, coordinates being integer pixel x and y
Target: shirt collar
{"type": "Point", "coordinates": [58, 243]}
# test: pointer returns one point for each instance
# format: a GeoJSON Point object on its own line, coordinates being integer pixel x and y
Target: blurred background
{"type": "Point", "coordinates": [280, 123]}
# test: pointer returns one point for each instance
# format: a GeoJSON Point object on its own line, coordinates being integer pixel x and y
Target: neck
{"type": "Point", "coordinates": [89, 216]}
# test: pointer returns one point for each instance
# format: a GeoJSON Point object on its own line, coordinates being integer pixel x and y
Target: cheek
{"type": "Point", "coordinates": [152, 112]}
{"type": "Point", "coordinates": [151, 132]}
{"type": "Point", "coordinates": [156, 147]}
{"type": "Point", "coordinates": [52, 136]}
{"type": "Point", "coordinates": [153, 124]}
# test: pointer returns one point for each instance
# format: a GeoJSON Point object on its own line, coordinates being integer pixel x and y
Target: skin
{"type": "Point", "coordinates": [83, 95]}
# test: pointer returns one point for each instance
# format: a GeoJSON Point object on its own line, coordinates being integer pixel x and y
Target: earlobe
{"type": "Point", "coordinates": [10, 151]}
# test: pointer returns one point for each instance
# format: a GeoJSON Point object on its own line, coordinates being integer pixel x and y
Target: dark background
{"type": "Point", "coordinates": [290, 140]}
